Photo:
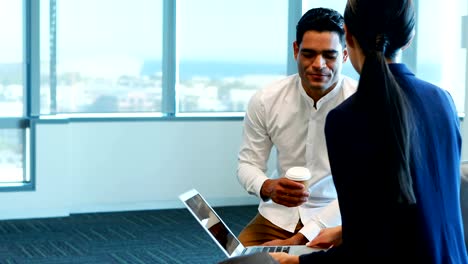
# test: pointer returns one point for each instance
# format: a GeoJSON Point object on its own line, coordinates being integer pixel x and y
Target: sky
{"type": "Point", "coordinates": [207, 28]}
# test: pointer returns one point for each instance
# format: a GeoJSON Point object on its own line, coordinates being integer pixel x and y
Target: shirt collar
{"type": "Point", "coordinates": [325, 98]}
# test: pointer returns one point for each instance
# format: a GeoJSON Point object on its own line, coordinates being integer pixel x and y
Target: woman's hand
{"type": "Point", "coordinates": [327, 238]}
{"type": "Point", "coordinates": [284, 258]}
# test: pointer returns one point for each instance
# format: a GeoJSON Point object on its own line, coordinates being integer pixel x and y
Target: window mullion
{"type": "Point", "coordinates": [294, 14]}
{"type": "Point", "coordinates": [31, 57]}
{"type": "Point", "coordinates": [169, 62]}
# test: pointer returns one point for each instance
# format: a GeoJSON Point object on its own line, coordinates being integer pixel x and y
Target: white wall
{"type": "Point", "coordinates": [117, 166]}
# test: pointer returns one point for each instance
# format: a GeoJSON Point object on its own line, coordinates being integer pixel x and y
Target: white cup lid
{"type": "Point", "coordinates": [298, 174]}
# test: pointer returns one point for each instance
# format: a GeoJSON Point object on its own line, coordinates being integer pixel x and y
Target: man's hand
{"type": "Point", "coordinates": [297, 239]}
{"type": "Point", "coordinates": [284, 258]}
{"type": "Point", "coordinates": [284, 191]}
{"type": "Point", "coordinates": [327, 238]}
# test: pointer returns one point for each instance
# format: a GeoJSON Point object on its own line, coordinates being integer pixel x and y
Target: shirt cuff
{"type": "Point", "coordinates": [310, 230]}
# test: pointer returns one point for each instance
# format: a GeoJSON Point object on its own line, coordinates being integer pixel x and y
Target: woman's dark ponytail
{"type": "Point", "coordinates": [378, 89]}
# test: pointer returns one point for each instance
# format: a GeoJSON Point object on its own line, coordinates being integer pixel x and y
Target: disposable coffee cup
{"type": "Point", "coordinates": [299, 174]}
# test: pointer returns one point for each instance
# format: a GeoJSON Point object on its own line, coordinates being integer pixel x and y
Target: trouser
{"type": "Point", "coordinates": [260, 230]}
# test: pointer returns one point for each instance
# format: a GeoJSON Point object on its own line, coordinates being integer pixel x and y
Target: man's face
{"type": "Point", "coordinates": [319, 60]}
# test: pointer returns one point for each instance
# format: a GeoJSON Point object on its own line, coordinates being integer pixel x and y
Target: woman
{"type": "Point", "coordinates": [394, 149]}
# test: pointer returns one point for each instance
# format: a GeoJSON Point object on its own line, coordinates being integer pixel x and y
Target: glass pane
{"type": "Point", "coordinates": [11, 155]}
{"type": "Point", "coordinates": [228, 50]}
{"type": "Point", "coordinates": [441, 59]}
{"type": "Point", "coordinates": [105, 56]}
{"type": "Point", "coordinates": [11, 58]}
{"type": "Point", "coordinates": [338, 5]}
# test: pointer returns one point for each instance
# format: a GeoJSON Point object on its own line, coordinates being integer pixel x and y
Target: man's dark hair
{"type": "Point", "coordinates": [321, 20]}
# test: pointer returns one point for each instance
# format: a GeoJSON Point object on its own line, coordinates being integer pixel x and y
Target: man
{"type": "Point", "coordinates": [290, 116]}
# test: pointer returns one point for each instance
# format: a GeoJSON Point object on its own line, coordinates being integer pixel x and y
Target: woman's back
{"type": "Point", "coordinates": [375, 226]}
{"type": "Point", "coordinates": [436, 167]}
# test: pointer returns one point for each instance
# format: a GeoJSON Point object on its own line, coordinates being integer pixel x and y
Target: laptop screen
{"type": "Point", "coordinates": [211, 222]}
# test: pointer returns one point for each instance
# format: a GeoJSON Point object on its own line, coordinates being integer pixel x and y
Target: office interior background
{"type": "Point", "coordinates": [116, 105]}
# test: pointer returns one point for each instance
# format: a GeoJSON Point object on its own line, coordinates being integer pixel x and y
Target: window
{"type": "Point", "coordinates": [228, 50]}
{"type": "Point", "coordinates": [11, 58]}
{"type": "Point", "coordinates": [440, 57]}
{"type": "Point", "coordinates": [110, 60]}
{"type": "Point", "coordinates": [13, 124]}
{"type": "Point", "coordinates": [101, 56]}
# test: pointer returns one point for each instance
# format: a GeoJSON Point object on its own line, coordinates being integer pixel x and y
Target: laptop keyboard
{"type": "Point", "coordinates": [271, 249]}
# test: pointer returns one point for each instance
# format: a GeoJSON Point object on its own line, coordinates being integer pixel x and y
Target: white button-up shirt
{"type": "Point", "coordinates": [283, 116]}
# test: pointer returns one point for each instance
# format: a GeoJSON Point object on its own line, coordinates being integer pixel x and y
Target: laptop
{"type": "Point", "coordinates": [222, 235]}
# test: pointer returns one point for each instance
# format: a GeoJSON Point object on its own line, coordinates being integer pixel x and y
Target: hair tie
{"type": "Point", "coordinates": [381, 42]}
